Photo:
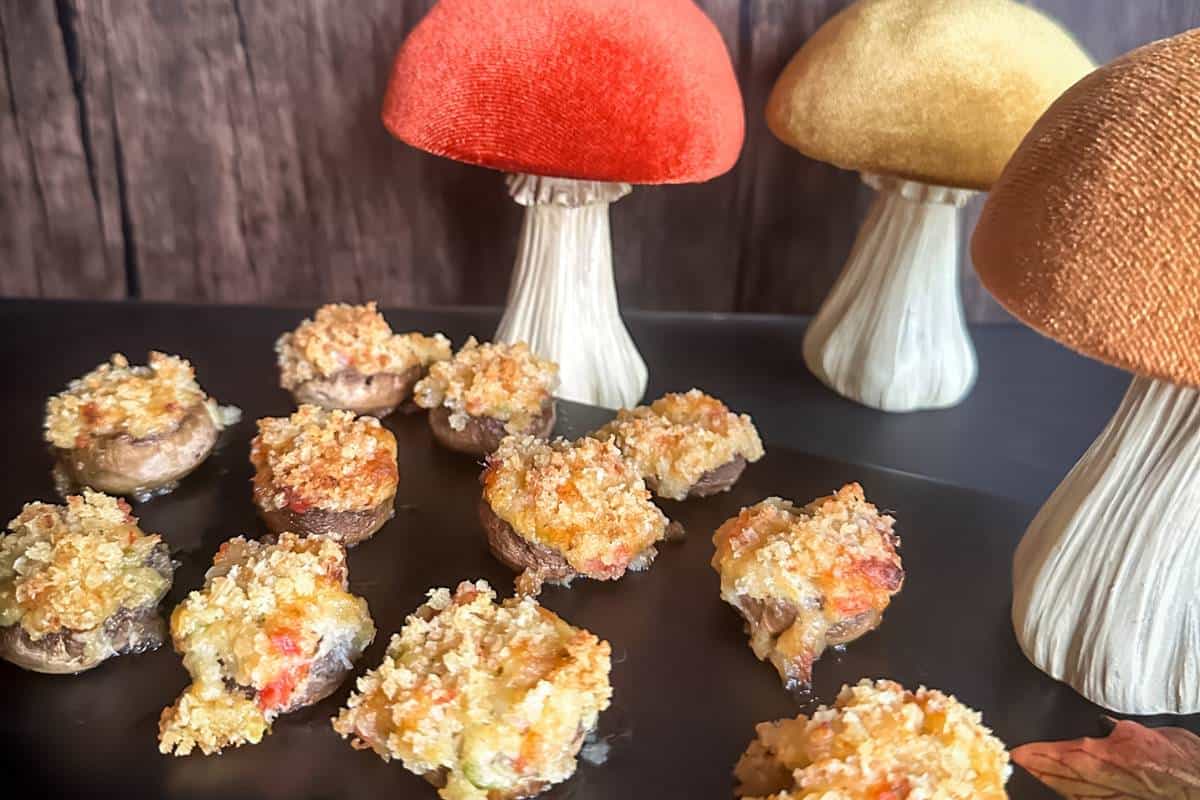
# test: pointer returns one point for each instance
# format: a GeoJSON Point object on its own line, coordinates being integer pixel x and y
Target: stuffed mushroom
{"type": "Point", "coordinates": [685, 445]}
{"type": "Point", "coordinates": [348, 357]}
{"type": "Point", "coordinates": [877, 741]}
{"type": "Point", "coordinates": [80, 583]}
{"type": "Point", "coordinates": [133, 430]}
{"type": "Point", "coordinates": [556, 510]}
{"type": "Point", "coordinates": [324, 473]}
{"type": "Point", "coordinates": [808, 578]}
{"type": "Point", "coordinates": [486, 392]}
{"type": "Point", "coordinates": [486, 701]}
{"type": "Point", "coordinates": [273, 630]}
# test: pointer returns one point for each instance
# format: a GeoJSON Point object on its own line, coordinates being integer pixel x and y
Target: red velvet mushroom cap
{"type": "Point", "coordinates": [606, 90]}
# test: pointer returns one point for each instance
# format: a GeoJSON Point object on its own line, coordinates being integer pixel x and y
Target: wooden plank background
{"type": "Point", "coordinates": [230, 150]}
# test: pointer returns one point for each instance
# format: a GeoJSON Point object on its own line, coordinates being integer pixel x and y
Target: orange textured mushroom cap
{"type": "Point", "coordinates": [939, 91]}
{"type": "Point", "coordinates": [609, 90]}
{"type": "Point", "coordinates": [1092, 234]}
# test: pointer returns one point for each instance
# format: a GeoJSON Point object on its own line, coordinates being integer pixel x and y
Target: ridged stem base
{"type": "Point", "coordinates": [1106, 581]}
{"type": "Point", "coordinates": [562, 300]}
{"type": "Point", "coordinates": [891, 333]}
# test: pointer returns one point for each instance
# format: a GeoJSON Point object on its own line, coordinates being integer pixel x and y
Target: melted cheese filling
{"type": "Point", "coordinates": [323, 459]}
{"type": "Point", "coordinates": [877, 742]}
{"type": "Point", "coordinates": [70, 568]}
{"type": "Point", "coordinates": [679, 437]}
{"type": "Point", "coordinates": [831, 561]}
{"type": "Point", "coordinates": [348, 338]}
{"type": "Point", "coordinates": [266, 612]}
{"type": "Point", "coordinates": [494, 697]}
{"type": "Point", "coordinates": [504, 382]}
{"type": "Point", "coordinates": [581, 499]}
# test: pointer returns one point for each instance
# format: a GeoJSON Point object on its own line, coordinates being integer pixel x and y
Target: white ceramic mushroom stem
{"type": "Point", "coordinates": [1106, 581]}
{"type": "Point", "coordinates": [562, 299]}
{"type": "Point", "coordinates": [891, 333]}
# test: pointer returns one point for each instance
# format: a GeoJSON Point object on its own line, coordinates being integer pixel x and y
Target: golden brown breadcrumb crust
{"type": "Point", "coordinates": [255, 629]}
{"type": "Point", "coordinates": [71, 567]}
{"type": "Point", "coordinates": [581, 499]}
{"type": "Point", "coordinates": [352, 338]}
{"type": "Point", "coordinates": [491, 696]}
{"type": "Point", "coordinates": [136, 401]}
{"type": "Point", "coordinates": [318, 458]}
{"type": "Point", "coordinates": [506, 382]}
{"type": "Point", "coordinates": [679, 437]}
{"type": "Point", "coordinates": [831, 560]}
{"type": "Point", "coordinates": [877, 742]}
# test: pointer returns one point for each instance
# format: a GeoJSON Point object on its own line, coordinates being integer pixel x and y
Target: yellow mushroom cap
{"type": "Point", "coordinates": [939, 91]}
{"type": "Point", "coordinates": [1092, 235]}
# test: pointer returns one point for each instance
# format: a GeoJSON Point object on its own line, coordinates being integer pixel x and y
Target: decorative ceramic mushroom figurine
{"type": "Point", "coordinates": [1092, 237]}
{"type": "Point", "coordinates": [927, 99]}
{"type": "Point", "coordinates": [578, 99]}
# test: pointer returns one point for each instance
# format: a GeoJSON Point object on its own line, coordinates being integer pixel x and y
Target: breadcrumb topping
{"type": "Point", "coordinates": [506, 382]}
{"type": "Point", "coordinates": [70, 568]}
{"type": "Point", "coordinates": [582, 499]}
{"type": "Point", "coordinates": [492, 697]}
{"type": "Point", "coordinates": [136, 401]}
{"type": "Point", "coordinates": [249, 638]}
{"type": "Point", "coordinates": [679, 437]}
{"type": "Point", "coordinates": [877, 742]}
{"type": "Point", "coordinates": [318, 458]}
{"type": "Point", "coordinates": [356, 338]}
{"type": "Point", "coordinates": [829, 563]}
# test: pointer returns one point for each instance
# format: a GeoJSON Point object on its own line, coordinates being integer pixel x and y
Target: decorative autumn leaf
{"type": "Point", "coordinates": [1132, 763]}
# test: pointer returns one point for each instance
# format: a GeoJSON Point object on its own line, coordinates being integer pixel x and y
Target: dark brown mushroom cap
{"type": "Point", "coordinates": [1092, 234]}
{"type": "Point", "coordinates": [939, 91]}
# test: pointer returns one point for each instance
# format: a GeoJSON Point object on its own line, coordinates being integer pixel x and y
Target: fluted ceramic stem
{"type": "Point", "coordinates": [1106, 582]}
{"type": "Point", "coordinates": [891, 334]}
{"type": "Point", "coordinates": [562, 299]}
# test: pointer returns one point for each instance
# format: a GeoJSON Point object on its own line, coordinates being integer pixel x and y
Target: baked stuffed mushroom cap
{"type": "Point", "coordinates": [937, 91]}
{"type": "Point", "coordinates": [274, 629]}
{"type": "Point", "coordinates": [347, 357]}
{"type": "Point", "coordinates": [555, 510]}
{"type": "Point", "coordinates": [324, 473]}
{"type": "Point", "coordinates": [877, 740]}
{"type": "Point", "coordinates": [808, 578]}
{"type": "Point", "coordinates": [486, 392]}
{"type": "Point", "coordinates": [485, 700]}
{"type": "Point", "coordinates": [80, 583]}
{"type": "Point", "coordinates": [133, 430]}
{"type": "Point", "coordinates": [687, 444]}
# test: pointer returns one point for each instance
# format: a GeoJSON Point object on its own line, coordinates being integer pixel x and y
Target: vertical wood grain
{"type": "Point", "coordinates": [51, 238]}
{"type": "Point", "coordinates": [676, 247]}
{"type": "Point", "coordinates": [230, 150]}
{"type": "Point", "coordinates": [799, 216]}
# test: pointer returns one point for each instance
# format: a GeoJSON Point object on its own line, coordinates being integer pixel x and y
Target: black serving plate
{"type": "Point", "coordinates": [687, 689]}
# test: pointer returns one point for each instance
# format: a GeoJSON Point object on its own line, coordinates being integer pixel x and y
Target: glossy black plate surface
{"type": "Point", "coordinates": [688, 691]}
